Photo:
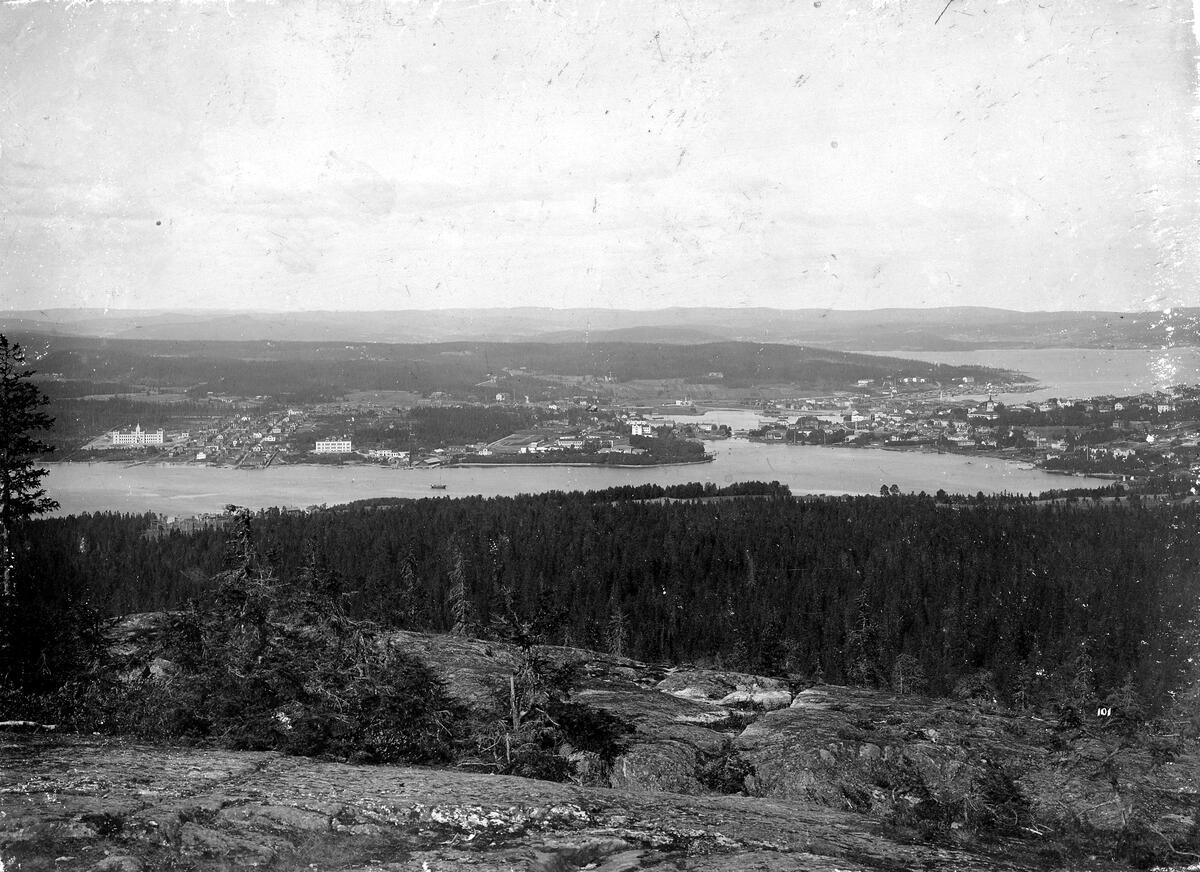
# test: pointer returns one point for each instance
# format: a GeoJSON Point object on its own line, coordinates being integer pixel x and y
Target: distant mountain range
{"type": "Point", "coordinates": [942, 329]}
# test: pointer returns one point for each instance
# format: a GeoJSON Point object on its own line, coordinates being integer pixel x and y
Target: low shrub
{"type": "Point", "coordinates": [988, 805]}
{"type": "Point", "coordinates": [277, 675]}
{"type": "Point", "coordinates": [263, 664]}
{"type": "Point", "coordinates": [534, 729]}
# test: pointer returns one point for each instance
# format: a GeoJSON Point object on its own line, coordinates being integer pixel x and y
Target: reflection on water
{"type": "Point", "coordinates": [191, 489]}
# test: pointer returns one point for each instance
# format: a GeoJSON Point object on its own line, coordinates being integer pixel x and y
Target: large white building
{"type": "Point", "coordinates": [333, 446]}
{"type": "Point", "coordinates": [137, 437]}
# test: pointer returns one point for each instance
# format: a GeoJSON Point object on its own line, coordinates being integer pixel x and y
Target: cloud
{"type": "Point", "coordinates": [613, 154]}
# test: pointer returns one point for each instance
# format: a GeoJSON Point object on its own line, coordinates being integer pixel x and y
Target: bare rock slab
{"type": "Point", "coordinates": [200, 810]}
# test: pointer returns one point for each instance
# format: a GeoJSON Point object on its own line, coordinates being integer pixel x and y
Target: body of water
{"type": "Point", "coordinates": [1085, 372]}
{"type": "Point", "coordinates": [193, 489]}
{"type": "Point", "coordinates": [1081, 372]}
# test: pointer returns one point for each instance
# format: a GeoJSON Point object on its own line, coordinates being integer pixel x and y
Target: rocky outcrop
{"type": "Point", "coordinates": [885, 753]}
{"type": "Point", "coordinates": [87, 804]}
{"type": "Point", "coordinates": [836, 757]}
{"type": "Point", "coordinates": [667, 731]}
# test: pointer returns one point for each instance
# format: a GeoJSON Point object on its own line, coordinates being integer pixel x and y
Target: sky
{"type": "Point", "coordinates": [1029, 154]}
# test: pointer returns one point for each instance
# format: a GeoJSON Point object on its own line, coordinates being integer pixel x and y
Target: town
{"type": "Point", "coordinates": [1148, 438]}
{"type": "Point", "coordinates": [1140, 439]}
{"type": "Point", "coordinates": [435, 434]}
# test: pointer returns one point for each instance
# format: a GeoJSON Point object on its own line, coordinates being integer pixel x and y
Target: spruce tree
{"type": "Point", "coordinates": [37, 631]}
{"type": "Point", "coordinates": [908, 675]}
{"type": "Point", "coordinates": [616, 636]}
{"type": "Point", "coordinates": [462, 608]}
{"type": "Point", "coordinates": [861, 648]}
{"type": "Point", "coordinates": [21, 491]}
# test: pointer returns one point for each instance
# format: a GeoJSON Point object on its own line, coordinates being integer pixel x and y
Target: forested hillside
{"type": "Point", "coordinates": [311, 371]}
{"type": "Point", "coordinates": [1045, 599]}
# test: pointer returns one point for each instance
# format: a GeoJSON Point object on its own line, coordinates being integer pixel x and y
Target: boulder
{"type": "Point", "coordinates": [756, 697]}
{"type": "Point", "coordinates": [727, 688]}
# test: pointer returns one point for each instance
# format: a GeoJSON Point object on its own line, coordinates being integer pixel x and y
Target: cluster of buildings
{"type": "Point", "coordinates": [604, 433]}
{"type": "Point", "coordinates": [342, 445]}
{"type": "Point", "coordinates": [1096, 435]}
{"type": "Point", "coordinates": [568, 441]}
{"type": "Point", "coordinates": [1153, 433]}
{"type": "Point", "coordinates": [232, 437]}
{"type": "Point", "coordinates": [252, 439]}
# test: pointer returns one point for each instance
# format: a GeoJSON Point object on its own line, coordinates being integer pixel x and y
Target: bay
{"type": "Point", "coordinates": [1081, 372]}
{"type": "Point", "coordinates": [189, 489]}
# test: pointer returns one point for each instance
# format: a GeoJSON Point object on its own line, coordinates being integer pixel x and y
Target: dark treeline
{"type": "Point", "coordinates": [447, 425]}
{"type": "Point", "coordinates": [626, 492]}
{"type": "Point", "coordinates": [666, 448]}
{"type": "Point", "coordinates": [1040, 597]}
{"type": "Point", "coordinates": [73, 388]}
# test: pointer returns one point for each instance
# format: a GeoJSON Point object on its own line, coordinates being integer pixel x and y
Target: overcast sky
{"type": "Point", "coordinates": [841, 153]}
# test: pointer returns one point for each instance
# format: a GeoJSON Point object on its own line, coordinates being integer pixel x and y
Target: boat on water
{"type": "Point", "coordinates": [437, 487]}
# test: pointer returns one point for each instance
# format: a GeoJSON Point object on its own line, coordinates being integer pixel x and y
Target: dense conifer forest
{"type": "Point", "coordinates": [1024, 602]}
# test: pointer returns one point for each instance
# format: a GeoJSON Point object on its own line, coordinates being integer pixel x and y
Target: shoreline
{"type": "Point", "coordinates": [708, 459]}
{"type": "Point", "coordinates": [189, 489]}
{"type": "Point", "coordinates": [192, 464]}
{"type": "Point", "coordinates": [1022, 462]}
